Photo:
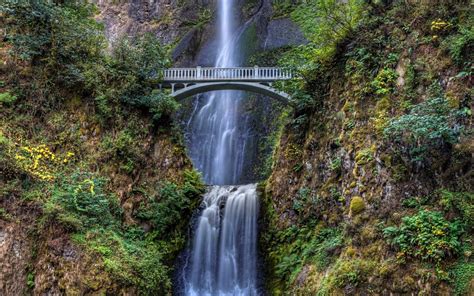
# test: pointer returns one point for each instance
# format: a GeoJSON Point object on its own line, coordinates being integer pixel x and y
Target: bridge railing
{"type": "Point", "coordinates": [237, 73]}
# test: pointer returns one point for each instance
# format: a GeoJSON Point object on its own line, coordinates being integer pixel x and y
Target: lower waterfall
{"type": "Point", "coordinates": [224, 256]}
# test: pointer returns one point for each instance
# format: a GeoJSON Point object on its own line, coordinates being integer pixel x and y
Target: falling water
{"type": "Point", "coordinates": [217, 129]}
{"type": "Point", "coordinates": [223, 256]}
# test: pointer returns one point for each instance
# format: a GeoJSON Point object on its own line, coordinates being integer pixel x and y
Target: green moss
{"type": "Point", "coordinates": [384, 82]}
{"type": "Point", "coordinates": [7, 98]}
{"type": "Point", "coordinates": [353, 272]}
{"type": "Point", "coordinates": [364, 156]}
{"type": "Point", "coordinates": [462, 275]}
{"type": "Point", "coordinates": [357, 205]}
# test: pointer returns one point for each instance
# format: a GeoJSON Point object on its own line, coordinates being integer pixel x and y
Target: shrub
{"type": "Point", "coordinates": [325, 23]}
{"type": "Point", "coordinates": [131, 257]}
{"type": "Point", "coordinates": [460, 45]}
{"type": "Point", "coordinates": [462, 202]}
{"type": "Point", "coordinates": [171, 203]}
{"type": "Point", "coordinates": [39, 161]}
{"type": "Point", "coordinates": [302, 246]}
{"type": "Point", "coordinates": [66, 48]}
{"type": "Point", "coordinates": [61, 39]}
{"type": "Point", "coordinates": [426, 235]}
{"type": "Point", "coordinates": [122, 147]}
{"type": "Point", "coordinates": [80, 202]}
{"type": "Point", "coordinates": [384, 82]}
{"type": "Point", "coordinates": [428, 125]}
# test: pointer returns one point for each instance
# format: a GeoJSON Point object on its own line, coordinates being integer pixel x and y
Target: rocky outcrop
{"type": "Point", "coordinates": [283, 32]}
{"type": "Point", "coordinates": [190, 26]}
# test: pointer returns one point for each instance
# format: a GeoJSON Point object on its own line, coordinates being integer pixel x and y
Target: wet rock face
{"type": "Point", "coordinates": [14, 257]}
{"type": "Point", "coordinates": [183, 23]}
{"type": "Point", "coordinates": [283, 32]}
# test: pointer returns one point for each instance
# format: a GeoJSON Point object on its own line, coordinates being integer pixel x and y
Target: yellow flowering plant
{"type": "Point", "coordinates": [39, 161]}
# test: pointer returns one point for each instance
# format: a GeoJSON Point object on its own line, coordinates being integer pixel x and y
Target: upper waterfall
{"type": "Point", "coordinates": [217, 130]}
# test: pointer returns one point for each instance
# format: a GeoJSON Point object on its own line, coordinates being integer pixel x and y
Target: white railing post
{"type": "Point", "coordinates": [198, 72]}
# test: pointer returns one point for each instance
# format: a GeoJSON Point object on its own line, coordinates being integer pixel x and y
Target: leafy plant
{"type": "Point", "coordinates": [305, 246]}
{"type": "Point", "coordinates": [462, 202]}
{"type": "Point", "coordinates": [66, 48]}
{"type": "Point", "coordinates": [460, 45]}
{"type": "Point", "coordinates": [7, 98]}
{"type": "Point", "coordinates": [121, 147]}
{"type": "Point", "coordinates": [305, 200]}
{"type": "Point", "coordinates": [384, 82]}
{"type": "Point", "coordinates": [80, 202]}
{"type": "Point", "coordinates": [131, 257]}
{"type": "Point", "coordinates": [61, 39]}
{"type": "Point", "coordinates": [325, 23]}
{"type": "Point", "coordinates": [461, 276]}
{"type": "Point", "coordinates": [336, 164]}
{"type": "Point", "coordinates": [428, 125]}
{"type": "Point", "coordinates": [172, 201]}
{"type": "Point", "coordinates": [426, 235]}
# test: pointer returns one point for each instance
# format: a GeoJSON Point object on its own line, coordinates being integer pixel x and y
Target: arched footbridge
{"type": "Point", "coordinates": [185, 82]}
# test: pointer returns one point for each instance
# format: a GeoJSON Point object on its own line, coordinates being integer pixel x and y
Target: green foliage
{"type": "Point", "coordinates": [336, 164]}
{"type": "Point", "coordinates": [462, 275]}
{"type": "Point", "coordinates": [79, 202]}
{"type": "Point", "coordinates": [7, 98]}
{"type": "Point", "coordinates": [204, 17]}
{"type": "Point", "coordinates": [4, 214]}
{"type": "Point", "coordinates": [426, 235]}
{"type": "Point", "coordinates": [346, 273]}
{"type": "Point", "coordinates": [428, 125]}
{"type": "Point", "coordinates": [130, 75]}
{"type": "Point", "coordinates": [461, 202]}
{"type": "Point", "coordinates": [325, 23]}
{"type": "Point", "coordinates": [172, 202]}
{"type": "Point", "coordinates": [132, 257]}
{"type": "Point", "coordinates": [298, 247]}
{"type": "Point", "coordinates": [364, 156]}
{"type": "Point", "coordinates": [460, 45]}
{"type": "Point", "coordinates": [306, 202]}
{"type": "Point", "coordinates": [282, 8]}
{"type": "Point", "coordinates": [123, 148]}
{"type": "Point", "coordinates": [415, 202]}
{"type": "Point", "coordinates": [384, 82]}
{"type": "Point", "coordinates": [59, 39]}
{"type": "Point", "coordinates": [66, 48]}
{"type": "Point", "coordinates": [161, 105]}
{"type": "Point", "coordinates": [30, 280]}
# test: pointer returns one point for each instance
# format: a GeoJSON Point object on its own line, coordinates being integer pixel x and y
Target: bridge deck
{"type": "Point", "coordinates": [208, 74]}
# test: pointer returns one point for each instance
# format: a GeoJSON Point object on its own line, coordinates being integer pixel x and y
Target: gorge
{"type": "Point", "coordinates": [362, 185]}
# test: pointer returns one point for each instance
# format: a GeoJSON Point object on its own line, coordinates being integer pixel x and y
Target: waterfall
{"type": "Point", "coordinates": [223, 258]}
{"type": "Point", "coordinates": [217, 129]}
{"type": "Point", "coordinates": [223, 255]}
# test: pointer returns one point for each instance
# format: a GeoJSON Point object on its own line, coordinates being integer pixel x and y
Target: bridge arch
{"type": "Point", "coordinates": [259, 88]}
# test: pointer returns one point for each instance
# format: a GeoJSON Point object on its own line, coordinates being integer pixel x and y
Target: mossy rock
{"type": "Point", "coordinates": [357, 205]}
